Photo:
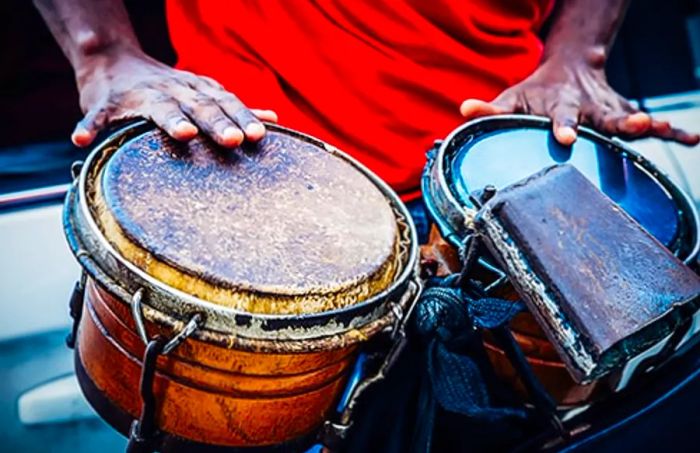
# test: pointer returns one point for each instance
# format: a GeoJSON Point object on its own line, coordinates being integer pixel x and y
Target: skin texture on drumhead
{"type": "Point", "coordinates": [281, 226]}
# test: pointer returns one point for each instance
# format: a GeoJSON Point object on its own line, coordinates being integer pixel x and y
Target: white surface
{"type": "Point", "coordinates": [57, 401]}
{"type": "Point", "coordinates": [37, 272]}
{"type": "Point", "coordinates": [681, 163]}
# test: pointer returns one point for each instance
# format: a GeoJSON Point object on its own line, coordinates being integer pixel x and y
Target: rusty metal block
{"type": "Point", "coordinates": [601, 287]}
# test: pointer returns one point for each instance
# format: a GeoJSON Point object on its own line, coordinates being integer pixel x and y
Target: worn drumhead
{"type": "Point", "coordinates": [283, 226]}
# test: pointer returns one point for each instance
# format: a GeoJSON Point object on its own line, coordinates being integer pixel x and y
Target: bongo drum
{"type": "Point", "coordinates": [498, 151]}
{"type": "Point", "coordinates": [225, 293]}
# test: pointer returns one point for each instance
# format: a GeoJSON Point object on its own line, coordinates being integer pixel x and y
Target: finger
{"type": "Point", "coordinates": [565, 117]}
{"type": "Point", "coordinates": [248, 122]}
{"type": "Point", "coordinates": [475, 108]}
{"type": "Point", "coordinates": [662, 129]}
{"type": "Point", "coordinates": [168, 116]}
{"type": "Point", "coordinates": [211, 119]}
{"type": "Point", "coordinates": [87, 128]}
{"type": "Point", "coordinates": [619, 123]}
{"type": "Point", "coordinates": [685, 138]}
{"type": "Point", "coordinates": [252, 127]}
{"type": "Point", "coordinates": [626, 105]}
{"type": "Point", "coordinates": [634, 125]}
{"type": "Point", "coordinates": [265, 115]}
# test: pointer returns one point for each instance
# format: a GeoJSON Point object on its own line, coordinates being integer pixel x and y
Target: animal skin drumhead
{"type": "Point", "coordinates": [281, 226]}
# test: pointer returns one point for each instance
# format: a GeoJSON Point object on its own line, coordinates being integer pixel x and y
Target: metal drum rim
{"type": "Point", "coordinates": [323, 324]}
{"type": "Point", "coordinates": [436, 171]}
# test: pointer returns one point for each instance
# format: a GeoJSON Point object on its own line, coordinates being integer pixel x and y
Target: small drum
{"type": "Point", "coordinates": [225, 293]}
{"type": "Point", "coordinates": [501, 150]}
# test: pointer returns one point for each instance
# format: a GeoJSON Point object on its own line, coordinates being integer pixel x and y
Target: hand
{"type": "Point", "coordinates": [130, 84]}
{"type": "Point", "coordinates": [576, 93]}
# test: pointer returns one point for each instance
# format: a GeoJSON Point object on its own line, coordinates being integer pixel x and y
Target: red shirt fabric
{"type": "Point", "coordinates": [378, 79]}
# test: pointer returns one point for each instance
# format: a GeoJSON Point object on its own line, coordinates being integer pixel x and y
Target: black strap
{"type": "Point", "coordinates": [448, 323]}
{"type": "Point", "coordinates": [144, 430]}
{"type": "Point", "coordinates": [75, 307]}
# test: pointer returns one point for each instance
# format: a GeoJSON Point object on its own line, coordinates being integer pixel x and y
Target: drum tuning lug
{"type": "Point", "coordinates": [481, 196]}
{"type": "Point", "coordinates": [76, 309]}
{"type": "Point", "coordinates": [190, 328]}
{"type": "Point", "coordinates": [488, 193]}
{"type": "Point", "coordinates": [75, 169]}
{"type": "Point", "coordinates": [333, 434]}
{"type": "Point", "coordinates": [138, 315]}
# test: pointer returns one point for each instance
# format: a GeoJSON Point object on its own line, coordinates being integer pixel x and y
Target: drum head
{"type": "Point", "coordinates": [499, 151]}
{"type": "Point", "coordinates": [281, 226]}
{"type": "Point", "coordinates": [505, 156]}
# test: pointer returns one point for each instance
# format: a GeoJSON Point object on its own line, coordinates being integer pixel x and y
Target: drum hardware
{"type": "Point", "coordinates": [145, 428]}
{"type": "Point", "coordinates": [472, 253]}
{"type": "Point", "coordinates": [75, 307]}
{"type": "Point", "coordinates": [75, 169]}
{"type": "Point", "coordinates": [334, 433]}
{"type": "Point", "coordinates": [75, 304]}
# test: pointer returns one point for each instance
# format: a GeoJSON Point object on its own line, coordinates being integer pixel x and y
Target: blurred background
{"type": "Point", "coordinates": [655, 61]}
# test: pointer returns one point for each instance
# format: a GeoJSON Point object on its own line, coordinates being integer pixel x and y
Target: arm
{"type": "Point", "coordinates": [570, 84]}
{"type": "Point", "coordinates": [117, 80]}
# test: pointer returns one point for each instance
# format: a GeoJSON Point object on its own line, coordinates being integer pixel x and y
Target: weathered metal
{"type": "Point", "coordinates": [602, 287]}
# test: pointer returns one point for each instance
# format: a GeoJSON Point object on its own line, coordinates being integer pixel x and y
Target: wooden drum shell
{"type": "Point", "coordinates": [207, 393]}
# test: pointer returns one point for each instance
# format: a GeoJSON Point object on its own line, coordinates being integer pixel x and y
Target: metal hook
{"type": "Point", "coordinates": [190, 327]}
{"type": "Point", "coordinates": [137, 312]}
{"type": "Point", "coordinates": [75, 169]}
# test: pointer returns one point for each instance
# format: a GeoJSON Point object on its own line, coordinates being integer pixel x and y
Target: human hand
{"type": "Point", "coordinates": [573, 93]}
{"type": "Point", "coordinates": [127, 84]}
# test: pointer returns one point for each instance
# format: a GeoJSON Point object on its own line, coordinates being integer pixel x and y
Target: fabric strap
{"type": "Point", "coordinates": [448, 322]}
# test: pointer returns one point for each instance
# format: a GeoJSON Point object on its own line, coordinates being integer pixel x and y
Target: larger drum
{"type": "Point", "coordinates": [226, 292]}
{"type": "Point", "coordinates": [502, 150]}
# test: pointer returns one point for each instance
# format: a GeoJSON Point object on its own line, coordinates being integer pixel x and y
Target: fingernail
{"type": "Point", "coordinates": [185, 128]}
{"type": "Point", "coordinates": [639, 116]}
{"type": "Point", "coordinates": [637, 122]}
{"type": "Point", "coordinates": [81, 136]}
{"type": "Point", "coordinates": [466, 106]}
{"type": "Point", "coordinates": [232, 134]}
{"type": "Point", "coordinates": [566, 135]}
{"type": "Point", "coordinates": [272, 115]}
{"type": "Point", "coordinates": [255, 130]}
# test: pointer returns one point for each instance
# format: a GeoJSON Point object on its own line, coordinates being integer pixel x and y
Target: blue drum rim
{"type": "Point", "coordinates": [453, 218]}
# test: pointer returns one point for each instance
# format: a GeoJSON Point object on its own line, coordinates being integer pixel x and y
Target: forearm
{"type": "Point", "coordinates": [584, 29]}
{"type": "Point", "coordinates": [89, 30]}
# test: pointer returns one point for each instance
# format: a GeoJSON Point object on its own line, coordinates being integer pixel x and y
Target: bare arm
{"type": "Point", "coordinates": [117, 80]}
{"type": "Point", "coordinates": [570, 85]}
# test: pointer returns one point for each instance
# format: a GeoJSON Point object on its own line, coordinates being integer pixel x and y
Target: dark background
{"type": "Point", "coordinates": [39, 102]}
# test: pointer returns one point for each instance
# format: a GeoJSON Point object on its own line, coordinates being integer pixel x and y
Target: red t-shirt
{"type": "Point", "coordinates": [379, 79]}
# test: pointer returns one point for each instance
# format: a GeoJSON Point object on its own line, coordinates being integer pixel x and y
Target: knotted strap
{"type": "Point", "coordinates": [448, 323]}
